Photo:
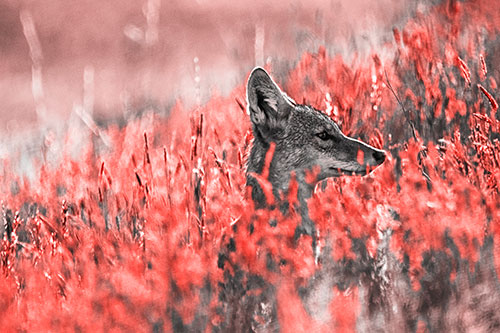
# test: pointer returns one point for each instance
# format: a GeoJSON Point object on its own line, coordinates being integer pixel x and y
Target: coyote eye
{"type": "Point", "coordinates": [323, 136]}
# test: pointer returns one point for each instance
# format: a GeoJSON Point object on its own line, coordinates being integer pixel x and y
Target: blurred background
{"type": "Point", "coordinates": [106, 60]}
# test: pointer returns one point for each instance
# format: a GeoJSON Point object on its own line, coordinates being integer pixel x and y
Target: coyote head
{"type": "Point", "coordinates": [305, 139]}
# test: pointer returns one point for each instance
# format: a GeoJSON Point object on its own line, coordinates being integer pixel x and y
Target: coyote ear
{"type": "Point", "coordinates": [268, 106]}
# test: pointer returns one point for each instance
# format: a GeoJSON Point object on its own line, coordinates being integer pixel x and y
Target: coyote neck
{"type": "Point", "coordinates": [279, 180]}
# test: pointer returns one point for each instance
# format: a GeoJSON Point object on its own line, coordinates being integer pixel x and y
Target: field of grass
{"type": "Point", "coordinates": [150, 227]}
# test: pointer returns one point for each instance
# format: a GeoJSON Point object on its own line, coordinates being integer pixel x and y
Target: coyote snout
{"type": "Point", "coordinates": [306, 140]}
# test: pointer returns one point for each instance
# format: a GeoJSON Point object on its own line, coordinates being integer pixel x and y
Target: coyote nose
{"type": "Point", "coordinates": [379, 156]}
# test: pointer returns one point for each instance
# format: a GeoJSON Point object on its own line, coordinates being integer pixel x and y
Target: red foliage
{"type": "Point", "coordinates": [130, 237]}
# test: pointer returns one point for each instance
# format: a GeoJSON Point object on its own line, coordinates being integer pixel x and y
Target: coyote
{"type": "Point", "coordinates": [307, 143]}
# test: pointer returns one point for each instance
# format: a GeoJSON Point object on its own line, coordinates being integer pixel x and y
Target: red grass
{"type": "Point", "coordinates": [128, 238]}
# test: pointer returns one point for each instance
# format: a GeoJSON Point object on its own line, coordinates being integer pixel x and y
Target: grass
{"type": "Point", "coordinates": [153, 230]}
